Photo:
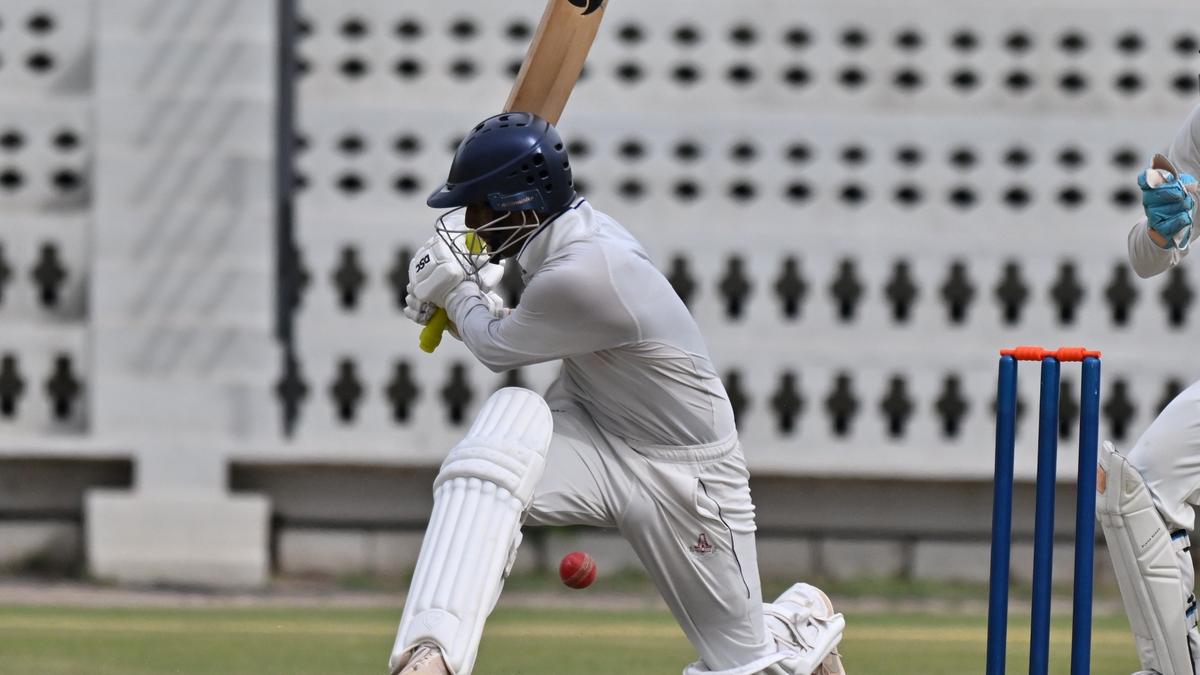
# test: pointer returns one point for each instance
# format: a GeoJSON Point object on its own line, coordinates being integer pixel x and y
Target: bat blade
{"type": "Point", "coordinates": [556, 57]}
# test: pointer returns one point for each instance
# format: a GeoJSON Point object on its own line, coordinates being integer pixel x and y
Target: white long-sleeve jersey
{"type": "Point", "coordinates": [632, 355]}
{"type": "Point", "coordinates": [1147, 258]}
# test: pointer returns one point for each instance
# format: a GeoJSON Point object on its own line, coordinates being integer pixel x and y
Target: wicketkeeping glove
{"type": "Point", "coordinates": [1169, 206]}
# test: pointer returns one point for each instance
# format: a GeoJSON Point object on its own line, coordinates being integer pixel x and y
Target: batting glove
{"type": "Point", "coordinates": [434, 272]}
{"type": "Point", "coordinates": [490, 276]}
{"type": "Point", "coordinates": [418, 312]}
{"type": "Point", "coordinates": [490, 299]}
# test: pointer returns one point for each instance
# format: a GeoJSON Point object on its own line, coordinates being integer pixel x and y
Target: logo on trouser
{"type": "Point", "coordinates": [702, 548]}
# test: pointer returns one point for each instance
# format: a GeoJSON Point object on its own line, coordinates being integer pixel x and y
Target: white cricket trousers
{"type": "Point", "coordinates": [687, 514]}
{"type": "Point", "coordinates": [1168, 457]}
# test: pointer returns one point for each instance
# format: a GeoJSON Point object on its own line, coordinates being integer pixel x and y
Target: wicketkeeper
{"type": "Point", "coordinates": [637, 433]}
{"type": "Point", "coordinates": [1145, 498]}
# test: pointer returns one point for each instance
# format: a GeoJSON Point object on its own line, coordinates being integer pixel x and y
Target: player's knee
{"type": "Point", "coordinates": [1125, 486]}
{"type": "Point", "coordinates": [1154, 465]}
{"type": "Point", "coordinates": [505, 446]}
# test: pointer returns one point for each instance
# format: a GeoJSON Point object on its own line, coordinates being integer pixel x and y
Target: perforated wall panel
{"type": "Point", "coordinates": [46, 143]}
{"type": "Point", "coordinates": [860, 201]}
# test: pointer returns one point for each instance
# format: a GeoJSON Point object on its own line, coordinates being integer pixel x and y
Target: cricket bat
{"type": "Point", "coordinates": [547, 76]}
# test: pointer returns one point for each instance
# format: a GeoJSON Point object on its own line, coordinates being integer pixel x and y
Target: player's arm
{"type": "Point", "coordinates": [563, 312]}
{"type": "Point", "coordinates": [1161, 238]}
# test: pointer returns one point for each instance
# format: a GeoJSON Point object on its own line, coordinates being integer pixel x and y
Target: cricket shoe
{"type": "Point", "coordinates": [803, 620]}
{"type": "Point", "coordinates": [426, 659]}
{"type": "Point", "coordinates": [832, 665]}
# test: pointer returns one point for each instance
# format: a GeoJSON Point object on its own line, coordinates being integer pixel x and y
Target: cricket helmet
{"type": "Point", "coordinates": [514, 162]}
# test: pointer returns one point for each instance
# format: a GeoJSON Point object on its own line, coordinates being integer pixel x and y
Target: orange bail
{"type": "Point", "coordinates": [1067, 354]}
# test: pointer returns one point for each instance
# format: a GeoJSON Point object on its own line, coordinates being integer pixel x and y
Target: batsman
{"type": "Point", "coordinates": [636, 434]}
{"type": "Point", "coordinates": [1145, 500]}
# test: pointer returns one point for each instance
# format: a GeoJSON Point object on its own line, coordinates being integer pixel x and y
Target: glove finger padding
{"type": "Point", "coordinates": [1168, 196]}
{"type": "Point", "coordinates": [419, 312]}
{"type": "Point", "coordinates": [415, 316]}
{"type": "Point", "coordinates": [434, 272]}
{"type": "Point", "coordinates": [430, 242]}
{"type": "Point", "coordinates": [1170, 226]}
{"type": "Point", "coordinates": [490, 276]}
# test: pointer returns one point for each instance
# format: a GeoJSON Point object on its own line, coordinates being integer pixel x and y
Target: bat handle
{"type": "Point", "coordinates": [431, 334]}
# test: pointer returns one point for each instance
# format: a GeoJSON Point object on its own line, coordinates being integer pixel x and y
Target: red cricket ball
{"type": "Point", "coordinates": [577, 569]}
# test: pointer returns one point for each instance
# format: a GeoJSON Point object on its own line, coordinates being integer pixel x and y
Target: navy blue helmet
{"type": "Point", "coordinates": [514, 162]}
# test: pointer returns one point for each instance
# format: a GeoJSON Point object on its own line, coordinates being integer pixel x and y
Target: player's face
{"type": "Point", "coordinates": [502, 232]}
{"type": "Point", "coordinates": [480, 214]}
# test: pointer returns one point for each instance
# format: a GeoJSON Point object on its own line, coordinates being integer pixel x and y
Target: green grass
{"type": "Point", "coordinates": [91, 641]}
{"type": "Point", "coordinates": [634, 582]}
